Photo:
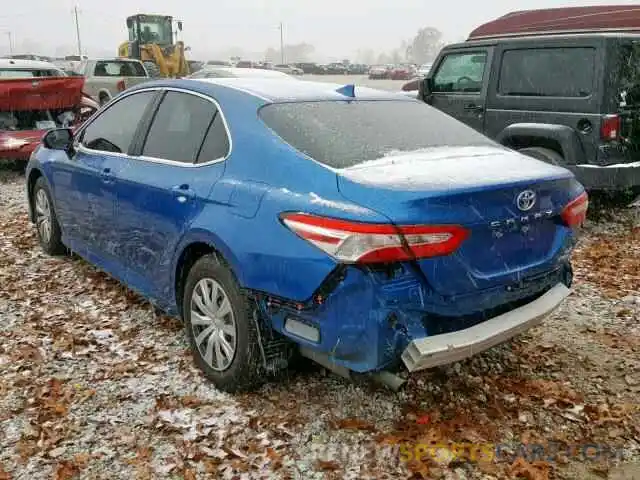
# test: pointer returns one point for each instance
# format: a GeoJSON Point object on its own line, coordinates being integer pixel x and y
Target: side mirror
{"type": "Point", "coordinates": [425, 87]}
{"type": "Point", "coordinates": [180, 26]}
{"type": "Point", "coordinates": [58, 139]}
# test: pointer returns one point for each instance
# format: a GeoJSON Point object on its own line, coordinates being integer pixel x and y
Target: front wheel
{"type": "Point", "coordinates": [47, 226]}
{"type": "Point", "coordinates": [220, 327]}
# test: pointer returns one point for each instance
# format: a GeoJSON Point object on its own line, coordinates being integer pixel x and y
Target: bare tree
{"type": "Point", "coordinates": [425, 45]}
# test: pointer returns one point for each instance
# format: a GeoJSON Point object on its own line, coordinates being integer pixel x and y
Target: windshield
{"type": "Point", "coordinates": [152, 30]}
{"type": "Point", "coordinates": [343, 134]}
{"type": "Point", "coordinates": [117, 68]}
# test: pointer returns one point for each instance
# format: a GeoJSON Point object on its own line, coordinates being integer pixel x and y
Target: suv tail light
{"type": "Point", "coordinates": [121, 86]}
{"type": "Point", "coordinates": [610, 127]}
{"type": "Point", "coordinates": [357, 242]}
{"type": "Point", "coordinates": [575, 213]}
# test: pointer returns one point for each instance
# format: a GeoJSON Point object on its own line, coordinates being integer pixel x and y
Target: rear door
{"type": "Point", "coordinates": [166, 185]}
{"type": "Point", "coordinates": [460, 82]}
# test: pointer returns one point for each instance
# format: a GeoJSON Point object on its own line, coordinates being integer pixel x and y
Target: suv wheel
{"type": "Point", "coordinates": [544, 154]}
{"type": "Point", "coordinates": [220, 328]}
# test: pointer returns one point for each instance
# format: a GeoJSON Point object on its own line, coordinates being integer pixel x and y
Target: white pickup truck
{"type": "Point", "coordinates": [106, 78]}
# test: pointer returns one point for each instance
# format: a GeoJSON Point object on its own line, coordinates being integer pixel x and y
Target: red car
{"type": "Point", "coordinates": [29, 107]}
{"type": "Point", "coordinates": [403, 72]}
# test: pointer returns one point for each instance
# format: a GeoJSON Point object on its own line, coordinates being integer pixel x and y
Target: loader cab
{"type": "Point", "coordinates": [145, 29]}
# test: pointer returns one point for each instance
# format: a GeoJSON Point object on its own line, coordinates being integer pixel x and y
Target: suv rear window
{"type": "Point", "coordinates": [548, 72]}
{"type": "Point", "coordinates": [342, 134]}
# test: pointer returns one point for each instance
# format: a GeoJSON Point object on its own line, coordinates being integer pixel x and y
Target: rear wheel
{"type": "Point", "coordinates": [220, 327]}
{"type": "Point", "coordinates": [104, 98]}
{"type": "Point", "coordinates": [47, 226]}
{"type": "Point", "coordinates": [545, 154]}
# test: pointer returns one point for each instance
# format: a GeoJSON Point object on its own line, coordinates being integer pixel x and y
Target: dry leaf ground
{"type": "Point", "coordinates": [94, 385]}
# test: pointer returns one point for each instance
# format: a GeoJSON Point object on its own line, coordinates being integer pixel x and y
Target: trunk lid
{"type": "Point", "coordinates": [475, 187]}
{"type": "Point", "coordinates": [40, 93]}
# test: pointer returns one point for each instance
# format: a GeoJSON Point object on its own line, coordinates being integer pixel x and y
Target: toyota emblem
{"type": "Point", "coordinates": [526, 200]}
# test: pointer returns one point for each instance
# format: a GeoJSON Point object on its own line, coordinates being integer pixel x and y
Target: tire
{"type": "Point", "coordinates": [232, 372]}
{"type": "Point", "coordinates": [47, 226]}
{"type": "Point", "coordinates": [545, 154]}
{"type": "Point", "coordinates": [152, 69]}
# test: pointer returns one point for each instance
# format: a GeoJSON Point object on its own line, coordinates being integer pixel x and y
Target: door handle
{"type": "Point", "coordinates": [106, 175]}
{"type": "Point", "coordinates": [472, 107]}
{"type": "Point", "coordinates": [182, 192]}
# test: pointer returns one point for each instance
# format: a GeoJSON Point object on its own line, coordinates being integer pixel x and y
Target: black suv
{"type": "Point", "coordinates": [568, 99]}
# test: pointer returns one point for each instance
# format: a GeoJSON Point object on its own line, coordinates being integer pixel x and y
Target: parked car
{"type": "Point", "coordinates": [289, 69]}
{"type": "Point", "coordinates": [219, 63]}
{"type": "Point", "coordinates": [359, 251]}
{"type": "Point", "coordinates": [336, 69]}
{"type": "Point", "coordinates": [106, 77]}
{"type": "Point", "coordinates": [311, 68]}
{"type": "Point", "coordinates": [424, 69]}
{"type": "Point", "coordinates": [402, 72]}
{"type": "Point", "coordinates": [34, 97]}
{"type": "Point", "coordinates": [557, 85]}
{"type": "Point", "coordinates": [246, 64]}
{"type": "Point", "coordinates": [412, 85]}
{"type": "Point", "coordinates": [231, 72]}
{"type": "Point", "coordinates": [380, 72]}
{"type": "Point", "coordinates": [358, 69]}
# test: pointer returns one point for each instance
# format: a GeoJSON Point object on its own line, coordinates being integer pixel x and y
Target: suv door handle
{"type": "Point", "coordinates": [182, 192]}
{"type": "Point", "coordinates": [472, 107]}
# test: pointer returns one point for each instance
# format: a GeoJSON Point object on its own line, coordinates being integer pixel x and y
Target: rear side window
{"type": "Point", "coordinates": [216, 142]}
{"type": "Point", "coordinates": [343, 134]}
{"type": "Point", "coordinates": [179, 127]}
{"type": "Point", "coordinates": [547, 72]}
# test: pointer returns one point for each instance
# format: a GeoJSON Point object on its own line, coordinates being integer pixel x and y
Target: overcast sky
{"type": "Point", "coordinates": [337, 28]}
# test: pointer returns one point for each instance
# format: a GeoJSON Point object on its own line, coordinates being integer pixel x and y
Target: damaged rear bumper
{"type": "Point", "coordinates": [446, 348]}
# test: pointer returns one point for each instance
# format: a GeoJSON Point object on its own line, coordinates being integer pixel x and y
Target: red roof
{"type": "Point", "coordinates": [556, 20]}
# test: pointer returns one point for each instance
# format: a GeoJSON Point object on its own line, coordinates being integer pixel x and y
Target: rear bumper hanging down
{"type": "Point", "coordinates": [447, 348]}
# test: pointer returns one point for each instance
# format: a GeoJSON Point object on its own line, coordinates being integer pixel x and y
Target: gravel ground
{"type": "Point", "coordinates": [94, 385]}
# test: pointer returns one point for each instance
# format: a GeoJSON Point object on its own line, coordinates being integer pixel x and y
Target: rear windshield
{"type": "Point", "coordinates": [344, 134]}
{"type": "Point", "coordinates": [24, 73]}
{"type": "Point", "coordinates": [119, 69]}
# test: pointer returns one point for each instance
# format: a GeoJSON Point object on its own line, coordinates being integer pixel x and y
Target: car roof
{"type": "Point", "coordinates": [25, 64]}
{"type": "Point", "coordinates": [290, 89]}
{"type": "Point", "coordinates": [246, 72]}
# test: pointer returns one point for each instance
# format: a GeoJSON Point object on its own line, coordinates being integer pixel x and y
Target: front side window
{"type": "Point", "coordinates": [179, 127]}
{"type": "Point", "coordinates": [460, 73]}
{"type": "Point", "coordinates": [113, 130]}
{"type": "Point", "coordinates": [547, 72]}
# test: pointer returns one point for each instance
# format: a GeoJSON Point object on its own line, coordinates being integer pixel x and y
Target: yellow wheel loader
{"type": "Point", "coordinates": [151, 40]}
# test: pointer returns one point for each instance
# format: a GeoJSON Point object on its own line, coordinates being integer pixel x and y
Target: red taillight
{"type": "Point", "coordinates": [357, 242]}
{"type": "Point", "coordinates": [610, 127]}
{"type": "Point", "coordinates": [575, 213]}
{"type": "Point", "coordinates": [121, 86]}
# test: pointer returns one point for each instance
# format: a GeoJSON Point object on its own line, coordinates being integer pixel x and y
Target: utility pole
{"type": "Point", "coordinates": [281, 44]}
{"type": "Point", "coordinates": [75, 14]}
{"type": "Point", "coordinates": [10, 42]}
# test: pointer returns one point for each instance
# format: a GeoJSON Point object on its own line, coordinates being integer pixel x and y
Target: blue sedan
{"type": "Point", "coordinates": [362, 229]}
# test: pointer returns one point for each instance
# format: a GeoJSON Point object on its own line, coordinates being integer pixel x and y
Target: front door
{"type": "Point", "coordinates": [89, 204]}
{"type": "Point", "coordinates": [163, 189]}
{"type": "Point", "coordinates": [459, 85]}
